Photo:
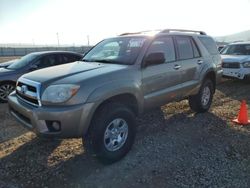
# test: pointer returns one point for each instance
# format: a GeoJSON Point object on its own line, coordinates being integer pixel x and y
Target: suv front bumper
{"type": "Point", "coordinates": [240, 73]}
{"type": "Point", "coordinates": [73, 120]}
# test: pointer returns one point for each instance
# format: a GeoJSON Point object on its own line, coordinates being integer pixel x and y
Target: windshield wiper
{"type": "Point", "coordinates": [85, 60]}
{"type": "Point", "coordinates": [101, 61]}
{"type": "Point", "coordinates": [105, 61]}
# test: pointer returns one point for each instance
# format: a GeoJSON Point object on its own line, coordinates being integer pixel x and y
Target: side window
{"type": "Point", "coordinates": [195, 49]}
{"type": "Point", "coordinates": [164, 45]}
{"type": "Point", "coordinates": [46, 61]}
{"type": "Point", "coordinates": [65, 58]}
{"type": "Point", "coordinates": [72, 58]}
{"type": "Point", "coordinates": [184, 47]}
{"type": "Point", "coordinates": [60, 59]}
{"type": "Point", "coordinates": [209, 45]}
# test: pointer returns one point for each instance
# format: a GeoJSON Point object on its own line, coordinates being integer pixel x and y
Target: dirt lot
{"type": "Point", "coordinates": [174, 148]}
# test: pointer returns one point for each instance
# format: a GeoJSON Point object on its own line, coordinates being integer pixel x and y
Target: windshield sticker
{"type": "Point", "coordinates": [136, 43]}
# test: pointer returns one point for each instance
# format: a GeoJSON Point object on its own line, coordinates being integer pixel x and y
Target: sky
{"type": "Point", "coordinates": [75, 22]}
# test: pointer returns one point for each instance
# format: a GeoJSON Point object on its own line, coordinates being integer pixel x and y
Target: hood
{"type": "Point", "coordinates": [75, 72]}
{"type": "Point", "coordinates": [4, 71]}
{"type": "Point", "coordinates": [6, 64]}
{"type": "Point", "coordinates": [235, 58]}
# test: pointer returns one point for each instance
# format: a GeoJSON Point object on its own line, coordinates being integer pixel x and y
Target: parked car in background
{"type": "Point", "coordinates": [28, 63]}
{"type": "Point", "coordinates": [7, 63]}
{"type": "Point", "coordinates": [220, 47]}
{"type": "Point", "coordinates": [121, 77]}
{"type": "Point", "coordinates": [236, 60]}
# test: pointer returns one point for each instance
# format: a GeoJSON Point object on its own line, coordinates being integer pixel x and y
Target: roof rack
{"type": "Point", "coordinates": [164, 31]}
{"type": "Point", "coordinates": [141, 32]}
{"type": "Point", "coordinates": [183, 30]}
{"type": "Point", "coordinates": [133, 33]}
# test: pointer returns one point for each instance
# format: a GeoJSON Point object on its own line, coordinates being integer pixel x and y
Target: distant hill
{"type": "Point", "coordinates": [241, 36]}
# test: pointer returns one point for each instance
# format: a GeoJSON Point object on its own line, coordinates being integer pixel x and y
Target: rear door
{"type": "Point", "coordinates": [190, 62]}
{"type": "Point", "coordinates": [162, 82]}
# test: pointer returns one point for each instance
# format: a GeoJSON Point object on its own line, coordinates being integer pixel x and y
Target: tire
{"type": "Point", "coordinates": [203, 100]}
{"type": "Point", "coordinates": [112, 133]}
{"type": "Point", "coordinates": [5, 90]}
{"type": "Point", "coordinates": [246, 79]}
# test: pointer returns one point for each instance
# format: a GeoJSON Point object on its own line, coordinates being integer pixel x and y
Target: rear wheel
{"type": "Point", "coordinates": [5, 90]}
{"type": "Point", "coordinates": [112, 133]}
{"type": "Point", "coordinates": [203, 100]}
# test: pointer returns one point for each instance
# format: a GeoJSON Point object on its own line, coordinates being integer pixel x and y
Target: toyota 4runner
{"type": "Point", "coordinates": [99, 97]}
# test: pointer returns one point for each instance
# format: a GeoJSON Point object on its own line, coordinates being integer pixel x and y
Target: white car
{"type": "Point", "coordinates": [236, 60]}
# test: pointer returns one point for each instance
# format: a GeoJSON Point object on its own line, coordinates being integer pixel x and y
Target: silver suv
{"type": "Point", "coordinates": [236, 61]}
{"type": "Point", "coordinates": [99, 97]}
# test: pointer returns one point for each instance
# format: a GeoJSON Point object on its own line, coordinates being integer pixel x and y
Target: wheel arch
{"type": "Point", "coordinates": [7, 82]}
{"type": "Point", "coordinates": [212, 76]}
{"type": "Point", "coordinates": [127, 99]}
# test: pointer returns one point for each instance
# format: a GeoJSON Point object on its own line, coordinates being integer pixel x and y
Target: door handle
{"type": "Point", "coordinates": [199, 62]}
{"type": "Point", "coordinates": [176, 67]}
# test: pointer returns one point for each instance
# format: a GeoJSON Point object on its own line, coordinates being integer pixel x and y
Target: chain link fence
{"type": "Point", "coordinates": [21, 51]}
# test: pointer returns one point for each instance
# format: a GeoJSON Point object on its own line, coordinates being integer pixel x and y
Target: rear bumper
{"type": "Point", "coordinates": [73, 120]}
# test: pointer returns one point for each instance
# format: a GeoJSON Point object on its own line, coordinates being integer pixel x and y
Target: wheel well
{"type": "Point", "coordinates": [8, 82]}
{"type": "Point", "coordinates": [126, 99]}
{"type": "Point", "coordinates": [211, 75]}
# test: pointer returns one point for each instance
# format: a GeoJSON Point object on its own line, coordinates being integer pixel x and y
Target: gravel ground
{"type": "Point", "coordinates": [174, 147]}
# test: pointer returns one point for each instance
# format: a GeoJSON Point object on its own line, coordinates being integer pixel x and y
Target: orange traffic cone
{"type": "Point", "coordinates": [243, 115]}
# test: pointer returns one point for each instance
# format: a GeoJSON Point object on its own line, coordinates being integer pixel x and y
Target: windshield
{"type": "Point", "coordinates": [24, 61]}
{"type": "Point", "coordinates": [121, 50]}
{"type": "Point", "coordinates": [236, 49]}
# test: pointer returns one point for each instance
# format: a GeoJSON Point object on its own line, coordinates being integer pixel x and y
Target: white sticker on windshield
{"type": "Point", "coordinates": [136, 43]}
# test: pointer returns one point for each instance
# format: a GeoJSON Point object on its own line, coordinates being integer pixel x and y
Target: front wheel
{"type": "Point", "coordinates": [5, 90]}
{"type": "Point", "coordinates": [112, 133]}
{"type": "Point", "coordinates": [203, 100]}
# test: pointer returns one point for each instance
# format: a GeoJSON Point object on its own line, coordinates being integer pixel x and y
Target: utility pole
{"type": "Point", "coordinates": [88, 39]}
{"type": "Point", "coordinates": [58, 43]}
{"type": "Point", "coordinates": [33, 42]}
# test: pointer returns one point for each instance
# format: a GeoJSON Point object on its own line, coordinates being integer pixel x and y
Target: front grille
{"type": "Point", "coordinates": [29, 99]}
{"type": "Point", "coordinates": [233, 65]}
{"type": "Point", "coordinates": [28, 91]}
{"type": "Point", "coordinates": [31, 88]}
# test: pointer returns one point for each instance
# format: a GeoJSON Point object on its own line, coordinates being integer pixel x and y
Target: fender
{"type": "Point", "coordinates": [206, 70]}
{"type": "Point", "coordinates": [115, 88]}
{"type": "Point", "coordinates": [105, 92]}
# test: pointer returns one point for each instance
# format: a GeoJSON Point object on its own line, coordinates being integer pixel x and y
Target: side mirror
{"type": "Point", "coordinates": [33, 67]}
{"type": "Point", "coordinates": [155, 58]}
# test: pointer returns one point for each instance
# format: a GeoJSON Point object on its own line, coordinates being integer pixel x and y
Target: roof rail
{"type": "Point", "coordinates": [132, 33]}
{"type": "Point", "coordinates": [164, 31]}
{"type": "Point", "coordinates": [183, 30]}
{"type": "Point", "coordinates": [140, 32]}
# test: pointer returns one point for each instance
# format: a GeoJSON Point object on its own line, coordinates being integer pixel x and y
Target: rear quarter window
{"type": "Point", "coordinates": [209, 45]}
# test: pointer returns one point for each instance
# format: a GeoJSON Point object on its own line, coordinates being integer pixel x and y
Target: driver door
{"type": "Point", "coordinates": [161, 83]}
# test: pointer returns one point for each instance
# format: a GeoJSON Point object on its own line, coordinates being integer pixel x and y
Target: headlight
{"type": "Point", "coordinates": [246, 64]}
{"type": "Point", "coordinates": [59, 93]}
